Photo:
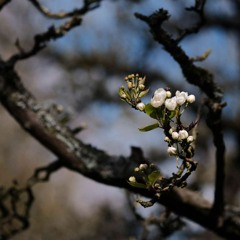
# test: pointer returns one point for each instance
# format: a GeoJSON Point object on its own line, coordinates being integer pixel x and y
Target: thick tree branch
{"type": "Point", "coordinates": [96, 164]}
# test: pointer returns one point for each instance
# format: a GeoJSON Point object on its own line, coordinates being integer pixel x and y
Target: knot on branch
{"type": "Point", "coordinates": [156, 19]}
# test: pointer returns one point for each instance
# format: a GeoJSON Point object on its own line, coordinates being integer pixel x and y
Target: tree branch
{"type": "Point", "coordinates": [40, 40]}
{"type": "Point", "coordinates": [96, 164]}
{"type": "Point", "coordinates": [204, 80]}
{"type": "Point", "coordinates": [88, 6]}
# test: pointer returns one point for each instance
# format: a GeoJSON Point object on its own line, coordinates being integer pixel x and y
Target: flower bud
{"type": "Point", "coordinates": [140, 106]}
{"type": "Point", "coordinates": [168, 94]}
{"type": "Point", "coordinates": [166, 139]}
{"type": "Point", "coordinates": [123, 95]}
{"type": "Point", "coordinates": [130, 85]}
{"type": "Point", "coordinates": [141, 87]}
{"type": "Point", "coordinates": [190, 139]}
{"type": "Point", "coordinates": [172, 151]}
{"type": "Point", "coordinates": [191, 98]}
{"type": "Point", "coordinates": [175, 135]}
{"type": "Point", "coordinates": [143, 166]}
{"type": "Point", "coordinates": [132, 179]}
{"type": "Point", "coordinates": [183, 134]}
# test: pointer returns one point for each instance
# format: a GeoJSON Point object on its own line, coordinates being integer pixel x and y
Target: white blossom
{"type": "Point", "coordinates": [140, 106]}
{"type": "Point", "coordinates": [158, 98]}
{"type": "Point", "coordinates": [172, 151]}
{"type": "Point", "coordinates": [190, 139]}
{"type": "Point", "coordinates": [175, 135]}
{"type": "Point", "coordinates": [191, 98]}
{"type": "Point", "coordinates": [181, 97]}
{"type": "Point", "coordinates": [171, 103]}
{"type": "Point", "coordinates": [183, 134]}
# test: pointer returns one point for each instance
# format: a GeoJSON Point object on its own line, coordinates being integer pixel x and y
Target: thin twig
{"type": "Point", "coordinates": [88, 5]}
{"type": "Point", "coordinates": [40, 40]}
{"type": "Point", "coordinates": [198, 8]}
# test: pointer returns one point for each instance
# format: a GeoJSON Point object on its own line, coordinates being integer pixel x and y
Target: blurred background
{"type": "Point", "coordinates": [82, 72]}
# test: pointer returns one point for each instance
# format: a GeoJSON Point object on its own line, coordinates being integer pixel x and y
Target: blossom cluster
{"type": "Point", "coordinates": [163, 97]}
{"type": "Point", "coordinates": [164, 107]}
{"type": "Point", "coordinates": [177, 137]}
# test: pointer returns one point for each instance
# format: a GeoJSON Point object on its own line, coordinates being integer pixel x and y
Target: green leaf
{"type": "Point", "coordinates": [121, 90]}
{"type": "Point", "coordinates": [138, 185]}
{"type": "Point", "coordinates": [143, 93]}
{"type": "Point", "coordinates": [156, 113]}
{"type": "Point", "coordinates": [172, 114]}
{"type": "Point", "coordinates": [149, 127]}
{"type": "Point", "coordinates": [153, 177]}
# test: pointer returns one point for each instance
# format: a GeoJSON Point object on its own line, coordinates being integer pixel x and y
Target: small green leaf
{"type": "Point", "coordinates": [156, 113]}
{"type": "Point", "coordinates": [149, 127]}
{"type": "Point", "coordinates": [150, 111]}
{"type": "Point", "coordinates": [121, 90]}
{"type": "Point", "coordinates": [138, 185]}
{"type": "Point", "coordinates": [143, 93]}
{"type": "Point", "coordinates": [172, 114]}
{"type": "Point", "coordinates": [153, 177]}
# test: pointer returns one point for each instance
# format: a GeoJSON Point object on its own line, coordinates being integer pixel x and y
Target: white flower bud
{"type": "Point", "coordinates": [143, 166]}
{"type": "Point", "coordinates": [170, 131]}
{"type": "Point", "coordinates": [141, 86]}
{"type": "Point", "coordinates": [191, 98]}
{"type": "Point", "coordinates": [140, 106]}
{"type": "Point", "coordinates": [175, 135]}
{"type": "Point", "coordinates": [183, 134]}
{"type": "Point", "coordinates": [158, 98]}
{"type": "Point", "coordinates": [123, 95]}
{"type": "Point", "coordinates": [132, 179]}
{"type": "Point", "coordinates": [181, 97]}
{"type": "Point", "coordinates": [130, 85]}
{"type": "Point", "coordinates": [168, 94]}
{"type": "Point", "coordinates": [171, 103]}
{"type": "Point", "coordinates": [172, 151]}
{"type": "Point", "coordinates": [190, 139]}
{"type": "Point", "coordinates": [166, 139]}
